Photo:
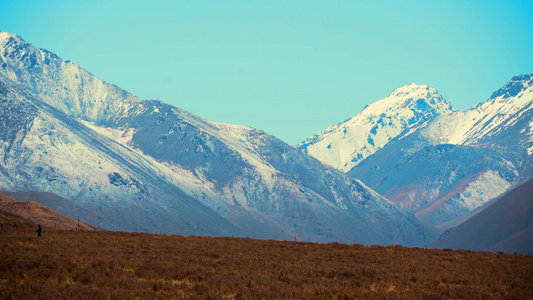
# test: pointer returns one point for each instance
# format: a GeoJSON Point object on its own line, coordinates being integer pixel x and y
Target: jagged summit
{"type": "Point", "coordinates": [5, 35]}
{"type": "Point", "coordinates": [345, 144]}
{"type": "Point", "coordinates": [517, 84]}
{"type": "Point", "coordinates": [411, 97]}
{"type": "Point", "coordinates": [61, 83]}
{"type": "Point", "coordinates": [412, 87]}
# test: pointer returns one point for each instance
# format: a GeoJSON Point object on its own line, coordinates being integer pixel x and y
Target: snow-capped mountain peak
{"type": "Point", "coordinates": [455, 163]}
{"type": "Point", "coordinates": [517, 84]}
{"type": "Point", "coordinates": [411, 99]}
{"type": "Point", "coordinates": [61, 83]}
{"type": "Point", "coordinates": [344, 145]}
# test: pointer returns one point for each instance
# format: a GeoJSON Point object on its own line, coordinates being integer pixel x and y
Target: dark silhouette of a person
{"type": "Point", "coordinates": [39, 230]}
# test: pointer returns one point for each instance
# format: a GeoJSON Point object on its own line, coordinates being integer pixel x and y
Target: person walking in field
{"type": "Point", "coordinates": [39, 230]}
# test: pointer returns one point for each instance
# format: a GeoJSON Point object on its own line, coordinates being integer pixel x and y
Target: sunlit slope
{"type": "Point", "coordinates": [40, 214]}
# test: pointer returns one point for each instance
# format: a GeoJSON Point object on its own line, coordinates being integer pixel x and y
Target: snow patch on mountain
{"type": "Point", "coordinates": [5, 35]}
{"type": "Point", "coordinates": [530, 134]}
{"type": "Point", "coordinates": [122, 136]}
{"type": "Point", "coordinates": [236, 137]}
{"type": "Point", "coordinates": [190, 182]}
{"type": "Point", "coordinates": [56, 168]}
{"type": "Point", "coordinates": [485, 187]}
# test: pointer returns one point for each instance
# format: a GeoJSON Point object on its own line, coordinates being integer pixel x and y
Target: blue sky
{"type": "Point", "coordinates": [290, 68]}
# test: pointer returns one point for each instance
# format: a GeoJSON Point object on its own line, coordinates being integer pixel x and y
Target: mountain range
{"type": "Point", "coordinates": [148, 166]}
{"type": "Point", "coordinates": [434, 161]}
{"type": "Point", "coordinates": [400, 172]}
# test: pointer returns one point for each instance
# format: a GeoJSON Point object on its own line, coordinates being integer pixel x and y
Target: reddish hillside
{"type": "Point", "coordinates": [40, 214]}
{"type": "Point", "coordinates": [10, 221]}
{"type": "Point", "coordinates": [59, 204]}
{"type": "Point", "coordinates": [506, 225]}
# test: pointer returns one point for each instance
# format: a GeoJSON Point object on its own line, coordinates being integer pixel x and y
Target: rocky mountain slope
{"type": "Point", "coordinates": [148, 166]}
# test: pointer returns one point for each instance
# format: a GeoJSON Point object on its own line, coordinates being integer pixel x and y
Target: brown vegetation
{"type": "Point", "coordinates": [121, 265]}
{"type": "Point", "coordinates": [40, 214]}
{"type": "Point", "coordinates": [59, 204]}
{"type": "Point", "coordinates": [10, 221]}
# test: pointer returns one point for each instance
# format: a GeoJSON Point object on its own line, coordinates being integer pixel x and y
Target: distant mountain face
{"type": "Point", "coordinates": [453, 164]}
{"type": "Point", "coordinates": [345, 145]}
{"type": "Point", "coordinates": [506, 225]}
{"type": "Point", "coordinates": [148, 166]}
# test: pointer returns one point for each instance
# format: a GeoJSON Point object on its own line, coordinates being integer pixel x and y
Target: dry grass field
{"type": "Point", "coordinates": [121, 265]}
{"type": "Point", "coordinates": [40, 214]}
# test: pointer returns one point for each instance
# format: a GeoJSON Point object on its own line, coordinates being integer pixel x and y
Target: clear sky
{"type": "Point", "coordinates": [290, 68]}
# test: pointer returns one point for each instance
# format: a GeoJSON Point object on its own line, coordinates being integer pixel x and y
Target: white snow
{"type": "Point", "coordinates": [122, 136]}
{"type": "Point", "coordinates": [485, 187]}
{"type": "Point", "coordinates": [530, 133]}
{"type": "Point", "coordinates": [5, 35]}
{"type": "Point", "coordinates": [235, 137]}
{"type": "Point", "coordinates": [66, 86]}
{"type": "Point", "coordinates": [483, 120]}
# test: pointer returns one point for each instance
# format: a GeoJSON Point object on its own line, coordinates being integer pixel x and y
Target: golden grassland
{"type": "Point", "coordinates": [122, 265]}
{"type": "Point", "coordinates": [12, 221]}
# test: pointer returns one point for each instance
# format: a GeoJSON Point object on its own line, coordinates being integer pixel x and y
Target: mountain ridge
{"type": "Point", "coordinates": [148, 166]}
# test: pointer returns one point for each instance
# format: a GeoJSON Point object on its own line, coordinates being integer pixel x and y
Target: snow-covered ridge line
{"type": "Point", "coordinates": [484, 119]}
{"type": "Point", "coordinates": [122, 135]}
{"type": "Point", "coordinates": [62, 84]}
{"type": "Point", "coordinates": [346, 144]}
